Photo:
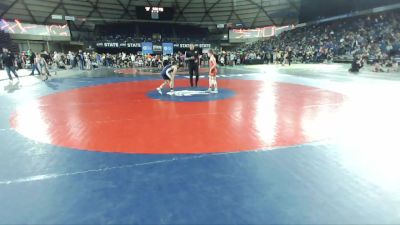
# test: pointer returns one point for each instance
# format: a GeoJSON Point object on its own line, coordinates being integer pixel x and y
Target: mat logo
{"type": "Point", "coordinates": [187, 93]}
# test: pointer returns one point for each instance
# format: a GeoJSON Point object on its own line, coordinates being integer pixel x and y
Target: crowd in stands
{"type": "Point", "coordinates": [139, 32]}
{"type": "Point", "coordinates": [44, 62]}
{"type": "Point", "coordinates": [374, 38]}
{"type": "Point", "coordinates": [144, 38]}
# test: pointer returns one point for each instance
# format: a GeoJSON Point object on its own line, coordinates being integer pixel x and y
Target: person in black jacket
{"type": "Point", "coordinates": [192, 58]}
{"type": "Point", "coordinates": [9, 63]}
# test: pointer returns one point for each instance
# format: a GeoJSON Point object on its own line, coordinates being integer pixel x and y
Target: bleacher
{"type": "Point", "coordinates": [147, 32]}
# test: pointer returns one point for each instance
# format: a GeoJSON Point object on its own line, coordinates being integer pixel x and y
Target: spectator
{"type": "Point", "coordinates": [34, 65]}
{"type": "Point", "coordinates": [9, 63]}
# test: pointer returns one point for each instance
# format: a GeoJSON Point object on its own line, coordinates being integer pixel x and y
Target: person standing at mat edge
{"type": "Point", "coordinates": [192, 58]}
{"type": "Point", "coordinates": [9, 63]}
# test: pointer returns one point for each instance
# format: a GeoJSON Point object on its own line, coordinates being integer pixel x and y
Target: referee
{"type": "Point", "coordinates": [192, 58]}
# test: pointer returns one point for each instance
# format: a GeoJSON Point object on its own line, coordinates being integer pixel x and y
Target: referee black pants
{"type": "Point", "coordinates": [194, 70]}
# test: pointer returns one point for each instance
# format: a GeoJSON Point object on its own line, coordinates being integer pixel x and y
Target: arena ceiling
{"type": "Point", "coordinates": [206, 13]}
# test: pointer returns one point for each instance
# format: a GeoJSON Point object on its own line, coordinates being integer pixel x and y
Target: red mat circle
{"type": "Point", "coordinates": [119, 117]}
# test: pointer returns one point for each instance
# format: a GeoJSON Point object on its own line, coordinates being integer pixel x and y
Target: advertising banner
{"type": "Point", "coordinates": [147, 48]}
{"type": "Point", "coordinates": [157, 48]}
{"type": "Point", "coordinates": [168, 48]}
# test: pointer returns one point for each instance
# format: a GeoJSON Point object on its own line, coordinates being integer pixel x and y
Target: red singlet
{"type": "Point", "coordinates": [214, 71]}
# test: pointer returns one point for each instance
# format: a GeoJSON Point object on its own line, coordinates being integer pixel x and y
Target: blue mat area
{"type": "Point", "coordinates": [314, 183]}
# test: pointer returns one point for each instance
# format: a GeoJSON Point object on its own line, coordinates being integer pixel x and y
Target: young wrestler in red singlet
{"type": "Point", "coordinates": [213, 87]}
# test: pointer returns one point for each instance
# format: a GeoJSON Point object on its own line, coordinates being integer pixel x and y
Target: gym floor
{"type": "Point", "coordinates": [307, 144]}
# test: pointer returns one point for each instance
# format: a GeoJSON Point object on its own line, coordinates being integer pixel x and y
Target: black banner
{"type": "Point", "coordinates": [118, 45]}
{"type": "Point", "coordinates": [203, 45]}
